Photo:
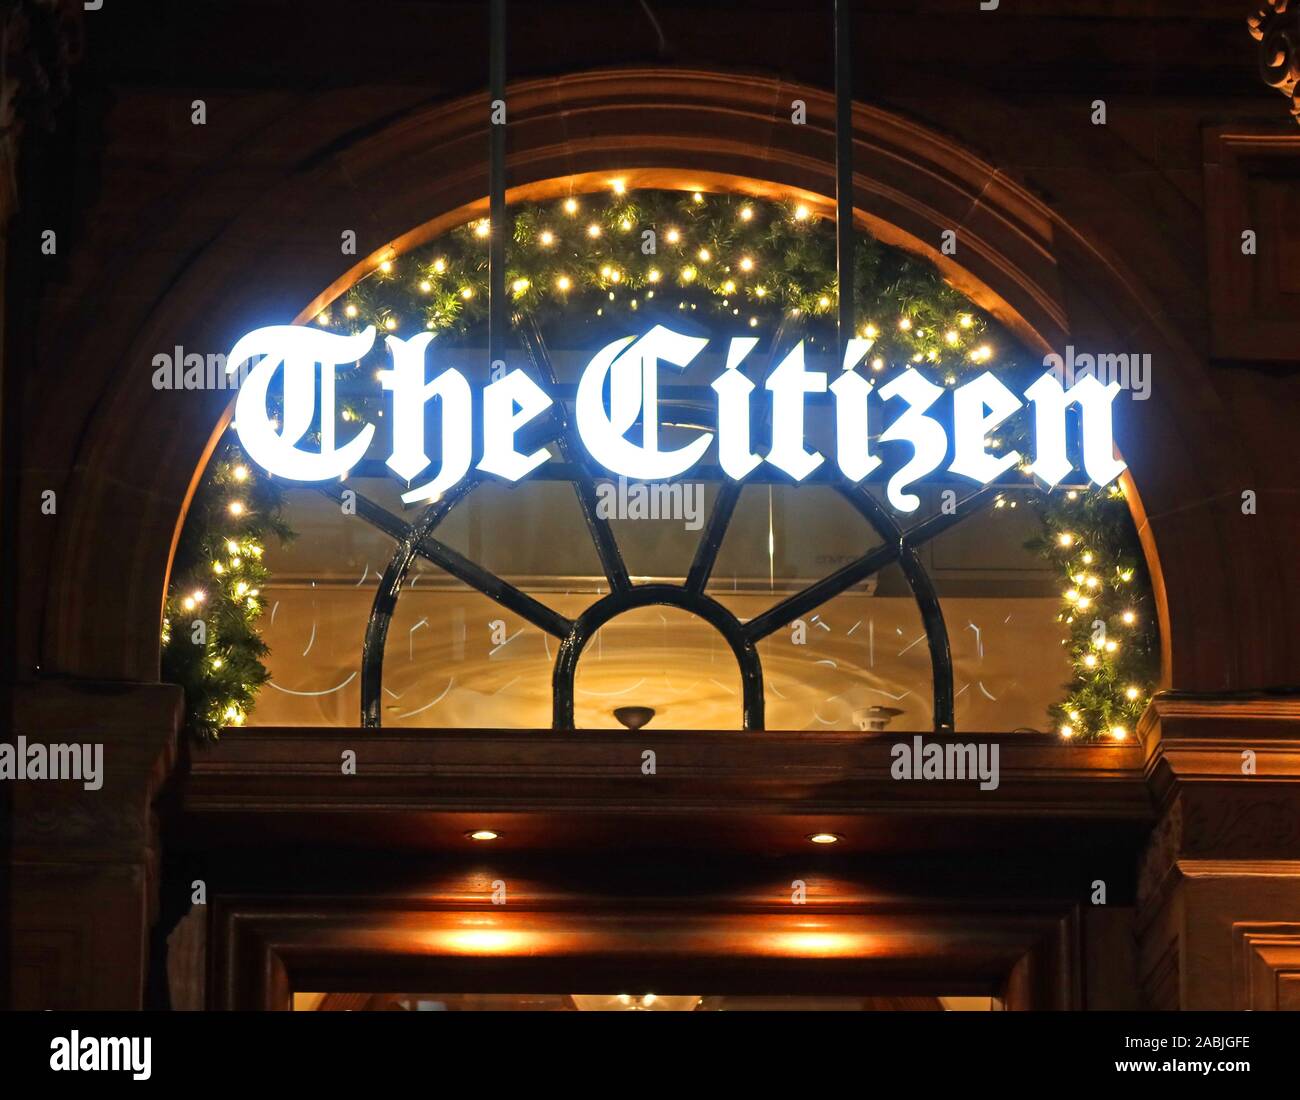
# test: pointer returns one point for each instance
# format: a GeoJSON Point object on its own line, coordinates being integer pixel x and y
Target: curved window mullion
{"type": "Point", "coordinates": [919, 581]}
{"type": "Point", "coordinates": [715, 530]}
{"type": "Point", "coordinates": [602, 535]}
{"type": "Point", "coordinates": [390, 585]}
{"type": "Point", "coordinates": [455, 563]}
{"type": "Point", "coordinates": [817, 593]}
{"type": "Point", "coordinates": [647, 595]}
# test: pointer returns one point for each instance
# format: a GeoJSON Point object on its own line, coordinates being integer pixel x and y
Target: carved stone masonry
{"type": "Point", "coordinates": [1276, 27]}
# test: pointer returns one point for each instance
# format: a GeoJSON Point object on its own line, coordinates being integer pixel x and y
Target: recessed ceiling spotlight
{"type": "Point", "coordinates": [825, 838]}
{"type": "Point", "coordinates": [483, 834]}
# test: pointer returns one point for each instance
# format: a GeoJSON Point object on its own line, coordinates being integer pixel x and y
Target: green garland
{"type": "Point", "coordinates": [610, 261]}
{"type": "Point", "coordinates": [212, 645]}
{"type": "Point", "coordinates": [753, 263]}
{"type": "Point", "coordinates": [1108, 608]}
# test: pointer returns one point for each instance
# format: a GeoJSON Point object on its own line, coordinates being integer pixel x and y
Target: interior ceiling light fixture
{"type": "Point", "coordinates": [634, 717]}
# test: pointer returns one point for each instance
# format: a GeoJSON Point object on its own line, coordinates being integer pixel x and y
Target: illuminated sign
{"type": "Point", "coordinates": [629, 369]}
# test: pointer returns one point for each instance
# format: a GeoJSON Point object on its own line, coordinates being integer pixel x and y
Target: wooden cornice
{"type": "Point", "coordinates": [1190, 739]}
{"type": "Point", "coordinates": [764, 790]}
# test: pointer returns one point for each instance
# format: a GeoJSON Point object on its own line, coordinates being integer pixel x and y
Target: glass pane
{"type": "Point", "coordinates": [663, 658]}
{"type": "Point", "coordinates": [457, 659]}
{"type": "Point", "coordinates": [657, 525]}
{"type": "Point", "coordinates": [782, 538]}
{"type": "Point", "coordinates": [317, 606]}
{"type": "Point", "coordinates": [1001, 603]}
{"type": "Point", "coordinates": [532, 534]}
{"type": "Point", "coordinates": [858, 661]}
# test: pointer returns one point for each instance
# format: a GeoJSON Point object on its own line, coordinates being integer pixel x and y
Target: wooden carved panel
{"type": "Point", "coordinates": [1266, 963]}
{"type": "Point", "coordinates": [1253, 185]}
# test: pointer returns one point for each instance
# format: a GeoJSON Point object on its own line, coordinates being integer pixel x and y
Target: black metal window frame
{"type": "Point", "coordinates": [416, 539]}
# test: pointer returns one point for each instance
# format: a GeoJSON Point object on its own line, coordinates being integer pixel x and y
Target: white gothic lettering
{"type": "Point", "coordinates": [630, 368]}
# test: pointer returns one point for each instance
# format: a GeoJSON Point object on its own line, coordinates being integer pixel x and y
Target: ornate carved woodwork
{"type": "Point", "coordinates": [1276, 27]}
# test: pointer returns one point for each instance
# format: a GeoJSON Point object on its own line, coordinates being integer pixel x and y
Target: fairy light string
{"type": "Point", "coordinates": [211, 637]}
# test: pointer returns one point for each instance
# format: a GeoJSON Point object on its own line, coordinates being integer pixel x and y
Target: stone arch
{"type": "Point", "coordinates": [140, 451]}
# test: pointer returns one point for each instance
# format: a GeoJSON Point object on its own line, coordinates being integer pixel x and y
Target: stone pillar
{"type": "Point", "coordinates": [1219, 887]}
{"type": "Point", "coordinates": [84, 872]}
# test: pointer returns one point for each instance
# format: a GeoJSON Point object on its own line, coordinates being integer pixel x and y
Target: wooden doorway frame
{"type": "Point", "coordinates": [613, 879]}
{"type": "Point", "coordinates": [266, 949]}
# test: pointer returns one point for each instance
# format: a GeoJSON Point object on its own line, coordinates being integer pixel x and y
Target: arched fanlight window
{"type": "Point", "coordinates": [592, 267]}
